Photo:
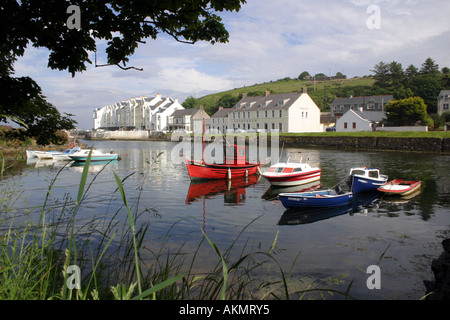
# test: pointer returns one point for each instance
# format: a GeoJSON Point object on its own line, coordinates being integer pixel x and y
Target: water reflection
{"type": "Point", "coordinates": [233, 189]}
{"type": "Point", "coordinates": [331, 242]}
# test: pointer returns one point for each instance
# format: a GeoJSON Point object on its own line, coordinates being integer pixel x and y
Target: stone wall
{"type": "Point", "coordinates": [374, 143]}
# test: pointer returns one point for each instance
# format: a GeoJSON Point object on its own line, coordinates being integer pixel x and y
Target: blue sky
{"type": "Point", "coordinates": [269, 40]}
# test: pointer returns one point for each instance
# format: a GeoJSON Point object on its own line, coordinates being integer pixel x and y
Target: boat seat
{"type": "Point", "coordinates": [338, 190]}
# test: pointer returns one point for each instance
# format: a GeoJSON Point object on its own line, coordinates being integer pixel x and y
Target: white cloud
{"type": "Point", "coordinates": [269, 39]}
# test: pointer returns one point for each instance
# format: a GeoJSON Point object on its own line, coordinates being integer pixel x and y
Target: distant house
{"type": "Point", "coordinates": [443, 101]}
{"type": "Point", "coordinates": [339, 106]}
{"type": "Point", "coordinates": [185, 120]}
{"type": "Point", "coordinates": [283, 112]}
{"type": "Point", "coordinates": [327, 121]}
{"type": "Point", "coordinates": [357, 120]}
{"type": "Point", "coordinates": [218, 122]}
{"type": "Point", "coordinates": [140, 113]}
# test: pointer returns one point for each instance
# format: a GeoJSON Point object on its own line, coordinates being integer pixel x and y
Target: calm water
{"type": "Point", "coordinates": [329, 244]}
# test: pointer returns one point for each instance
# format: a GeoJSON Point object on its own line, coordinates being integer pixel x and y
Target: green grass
{"type": "Point", "coordinates": [322, 92]}
{"type": "Point", "coordinates": [389, 134]}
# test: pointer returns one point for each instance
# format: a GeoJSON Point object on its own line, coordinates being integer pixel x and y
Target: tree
{"type": "Point", "coordinates": [123, 24]}
{"type": "Point", "coordinates": [411, 71]}
{"type": "Point", "coordinates": [429, 67]}
{"type": "Point", "coordinates": [304, 75]}
{"type": "Point", "coordinates": [427, 86]}
{"type": "Point", "coordinates": [406, 112]}
{"type": "Point", "coordinates": [382, 74]}
{"type": "Point", "coordinates": [24, 104]}
{"type": "Point", "coordinates": [190, 103]}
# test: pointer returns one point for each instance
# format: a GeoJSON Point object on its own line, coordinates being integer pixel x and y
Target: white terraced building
{"type": "Point", "coordinates": [283, 112]}
{"type": "Point", "coordinates": [141, 113]}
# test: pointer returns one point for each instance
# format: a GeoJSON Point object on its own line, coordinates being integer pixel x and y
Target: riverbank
{"type": "Point", "coordinates": [423, 144]}
{"type": "Point", "coordinates": [437, 142]}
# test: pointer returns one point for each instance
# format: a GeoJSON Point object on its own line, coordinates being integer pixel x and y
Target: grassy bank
{"type": "Point", "coordinates": [389, 134]}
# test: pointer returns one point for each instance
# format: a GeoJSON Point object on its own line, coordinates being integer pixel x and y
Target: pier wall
{"type": "Point", "coordinates": [349, 142]}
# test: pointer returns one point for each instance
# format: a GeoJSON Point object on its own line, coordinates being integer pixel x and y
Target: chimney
{"type": "Point", "coordinates": [244, 95]}
{"type": "Point", "coordinates": [304, 90]}
{"type": "Point", "coordinates": [267, 93]}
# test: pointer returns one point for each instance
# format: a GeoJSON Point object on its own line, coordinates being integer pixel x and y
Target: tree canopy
{"type": "Point", "coordinates": [391, 78]}
{"type": "Point", "coordinates": [406, 112]}
{"type": "Point", "coordinates": [123, 24]}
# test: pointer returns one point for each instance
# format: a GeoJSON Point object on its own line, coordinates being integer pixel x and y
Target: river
{"type": "Point", "coordinates": [401, 236]}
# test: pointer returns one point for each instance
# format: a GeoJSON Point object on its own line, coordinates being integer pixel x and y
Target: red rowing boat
{"type": "Point", "coordinates": [235, 164]}
{"type": "Point", "coordinates": [232, 168]}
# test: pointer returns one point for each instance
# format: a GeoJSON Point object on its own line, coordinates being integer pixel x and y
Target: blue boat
{"type": "Point", "coordinates": [365, 179]}
{"type": "Point", "coordinates": [315, 199]}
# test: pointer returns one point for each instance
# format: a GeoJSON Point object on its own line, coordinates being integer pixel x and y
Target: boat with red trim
{"type": "Point", "coordinates": [400, 187]}
{"type": "Point", "coordinates": [235, 165]}
{"type": "Point", "coordinates": [291, 173]}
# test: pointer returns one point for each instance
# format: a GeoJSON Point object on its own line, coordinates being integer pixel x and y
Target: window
{"type": "Point", "coordinates": [273, 113]}
{"type": "Point", "coordinates": [280, 126]}
{"type": "Point", "coordinates": [265, 114]}
{"type": "Point", "coordinates": [345, 125]}
{"type": "Point", "coordinates": [257, 114]}
{"type": "Point", "coordinates": [354, 125]}
{"type": "Point", "coordinates": [281, 113]}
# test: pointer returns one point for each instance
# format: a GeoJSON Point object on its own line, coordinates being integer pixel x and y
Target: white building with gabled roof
{"type": "Point", "coordinates": [281, 112]}
{"type": "Point", "coordinates": [139, 113]}
{"type": "Point", "coordinates": [358, 120]}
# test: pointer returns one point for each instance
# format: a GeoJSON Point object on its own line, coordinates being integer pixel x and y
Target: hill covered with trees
{"type": "Point", "coordinates": [425, 81]}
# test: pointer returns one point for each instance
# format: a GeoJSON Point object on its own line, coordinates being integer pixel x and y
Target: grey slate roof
{"type": "Point", "coordinates": [372, 116]}
{"type": "Point", "coordinates": [269, 102]}
{"type": "Point", "coordinates": [362, 100]}
{"type": "Point", "coordinates": [184, 112]}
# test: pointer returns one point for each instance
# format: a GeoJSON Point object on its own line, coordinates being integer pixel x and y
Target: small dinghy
{"type": "Point", "coordinates": [400, 187]}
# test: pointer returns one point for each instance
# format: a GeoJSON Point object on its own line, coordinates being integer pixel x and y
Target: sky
{"type": "Point", "coordinates": [269, 40]}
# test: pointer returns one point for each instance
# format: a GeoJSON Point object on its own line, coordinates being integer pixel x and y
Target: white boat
{"type": "Point", "coordinates": [291, 173]}
{"type": "Point", "coordinates": [31, 154]}
{"type": "Point", "coordinates": [65, 155]}
{"type": "Point", "coordinates": [96, 155]}
{"type": "Point", "coordinates": [45, 154]}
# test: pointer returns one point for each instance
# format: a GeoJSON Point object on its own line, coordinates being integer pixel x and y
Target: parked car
{"type": "Point", "coordinates": [331, 128]}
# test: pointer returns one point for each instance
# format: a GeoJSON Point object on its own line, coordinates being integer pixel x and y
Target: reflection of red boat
{"type": "Point", "coordinates": [235, 165]}
{"type": "Point", "coordinates": [233, 189]}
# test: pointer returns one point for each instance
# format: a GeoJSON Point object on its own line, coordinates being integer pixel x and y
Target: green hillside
{"type": "Point", "coordinates": [322, 92]}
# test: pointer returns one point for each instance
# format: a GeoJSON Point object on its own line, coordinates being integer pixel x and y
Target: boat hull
{"type": "Point", "coordinates": [200, 170]}
{"type": "Point", "coordinates": [105, 157]}
{"type": "Point", "coordinates": [316, 199]}
{"type": "Point", "coordinates": [400, 187]}
{"type": "Point", "coordinates": [287, 180]}
{"type": "Point", "coordinates": [363, 184]}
